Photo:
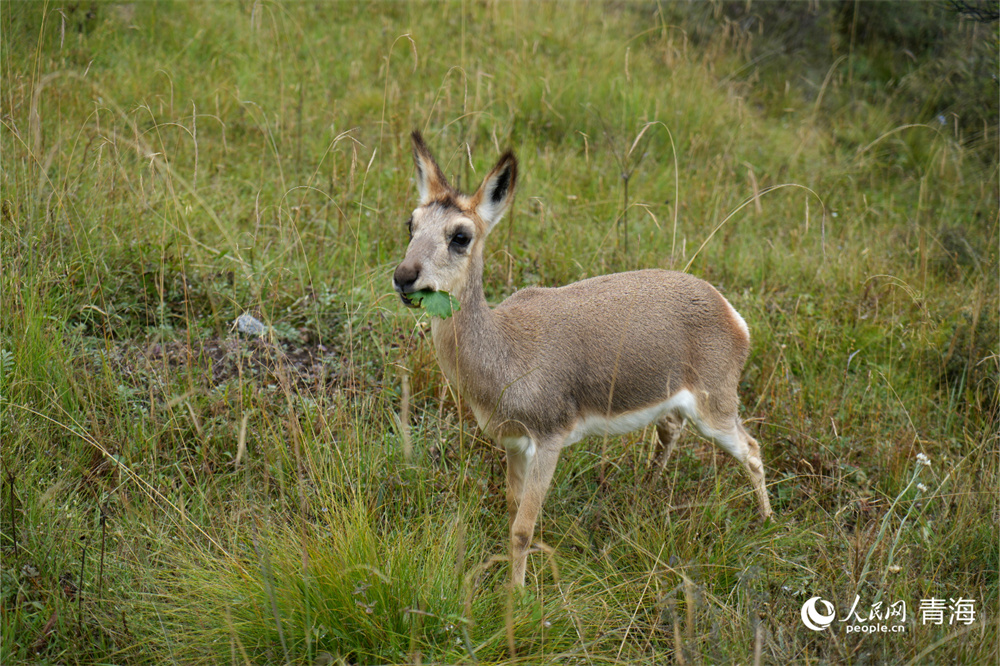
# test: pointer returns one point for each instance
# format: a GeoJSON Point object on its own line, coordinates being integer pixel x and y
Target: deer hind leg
{"type": "Point", "coordinates": [668, 431]}
{"type": "Point", "coordinates": [539, 464]}
{"type": "Point", "coordinates": [754, 466]}
{"type": "Point", "coordinates": [735, 440]}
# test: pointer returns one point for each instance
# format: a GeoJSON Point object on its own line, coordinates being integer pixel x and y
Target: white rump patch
{"type": "Point", "coordinates": [739, 319]}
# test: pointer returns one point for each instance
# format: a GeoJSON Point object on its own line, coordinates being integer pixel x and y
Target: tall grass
{"type": "Point", "coordinates": [174, 492]}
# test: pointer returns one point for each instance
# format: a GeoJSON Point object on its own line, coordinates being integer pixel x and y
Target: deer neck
{"type": "Point", "coordinates": [470, 345]}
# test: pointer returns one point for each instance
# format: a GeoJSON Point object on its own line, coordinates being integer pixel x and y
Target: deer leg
{"type": "Point", "coordinates": [538, 476]}
{"type": "Point", "coordinates": [668, 431]}
{"type": "Point", "coordinates": [735, 440]}
{"type": "Point", "coordinates": [520, 453]}
{"type": "Point", "coordinates": [755, 469]}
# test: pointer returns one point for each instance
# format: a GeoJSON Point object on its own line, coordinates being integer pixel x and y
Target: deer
{"type": "Point", "coordinates": [548, 367]}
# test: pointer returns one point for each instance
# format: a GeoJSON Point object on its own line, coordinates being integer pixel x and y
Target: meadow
{"type": "Point", "coordinates": [175, 492]}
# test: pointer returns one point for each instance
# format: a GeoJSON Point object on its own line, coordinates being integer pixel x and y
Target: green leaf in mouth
{"type": "Point", "coordinates": [437, 303]}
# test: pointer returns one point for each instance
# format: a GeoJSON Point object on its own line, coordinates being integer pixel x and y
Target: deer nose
{"type": "Point", "coordinates": [406, 276]}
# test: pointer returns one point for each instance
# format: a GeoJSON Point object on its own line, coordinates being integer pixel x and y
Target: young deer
{"type": "Point", "coordinates": [547, 367]}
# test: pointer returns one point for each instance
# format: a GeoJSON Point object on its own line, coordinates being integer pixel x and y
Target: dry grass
{"type": "Point", "coordinates": [173, 493]}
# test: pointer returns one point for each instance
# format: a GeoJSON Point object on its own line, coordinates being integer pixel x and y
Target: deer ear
{"type": "Point", "coordinates": [431, 183]}
{"type": "Point", "coordinates": [493, 198]}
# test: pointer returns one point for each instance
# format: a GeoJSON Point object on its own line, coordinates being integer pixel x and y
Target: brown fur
{"type": "Point", "coordinates": [546, 365]}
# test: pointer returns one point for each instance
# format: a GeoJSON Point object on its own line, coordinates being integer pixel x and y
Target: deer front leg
{"type": "Point", "coordinates": [520, 452]}
{"type": "Point", "coordinates": [540, 465]}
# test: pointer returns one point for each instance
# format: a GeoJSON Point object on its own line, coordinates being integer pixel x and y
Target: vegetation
{"type": "Point", "coordinates": [176, 492]}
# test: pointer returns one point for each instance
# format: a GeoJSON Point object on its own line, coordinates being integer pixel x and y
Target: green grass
{"type": "Point", "coordinates": [172, 493]}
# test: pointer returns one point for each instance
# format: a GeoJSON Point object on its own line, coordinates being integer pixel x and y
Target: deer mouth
{"type": "Point", "coordinates": [412, 299]}
{"type": "Point", "coordinates": [407, 301]}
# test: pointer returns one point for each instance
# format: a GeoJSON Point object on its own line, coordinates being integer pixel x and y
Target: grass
{"type": "Point", "coordinates": [174, 493]}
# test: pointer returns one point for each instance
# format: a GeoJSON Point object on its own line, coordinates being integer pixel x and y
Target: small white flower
{"type": "Point", "coordinates": [923, 460]}
{"type": "Point", "coordinates": [921, 487]}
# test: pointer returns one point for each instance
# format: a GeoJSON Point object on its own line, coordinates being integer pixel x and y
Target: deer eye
{"type": "Point", "coordinates": [460, 240]}
{"type": "Point", "coordinates": [409, 227]}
